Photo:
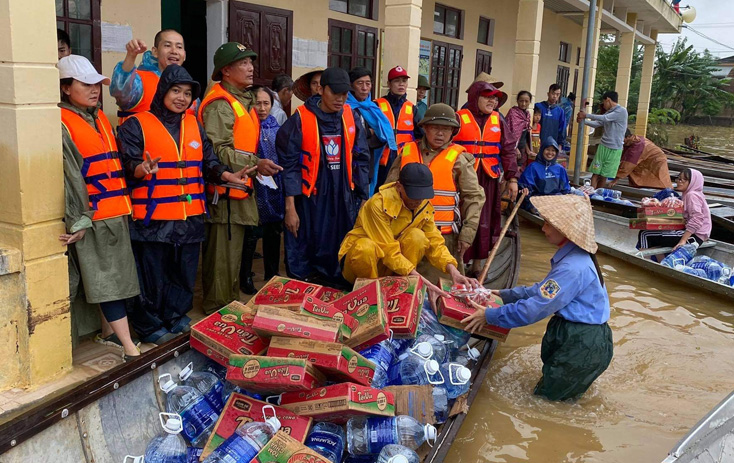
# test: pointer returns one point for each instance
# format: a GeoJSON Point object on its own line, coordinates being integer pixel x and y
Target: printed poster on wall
{"type": "Point", "coordinates": [424, 59]}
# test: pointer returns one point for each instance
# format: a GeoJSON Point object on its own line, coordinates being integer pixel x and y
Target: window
{"type": "Point", "coordinates": [564, 53]}
{"type": "Point", "coordinates": [562, 79]}
{"type": "Point", "coordinates": [352, 45]}
{"type": "Point", "coordinates": [80, 19]}
{"type": "Point", "coordinates": [362, 8]}
{"type": "Point", "coordinates": [578, 56]}
{"type": "Point", "coordinates": [484, 62]}
{"type": "Point", "coordinates": [486, 31]}
{"type": "Point", "coordinates": [448, 21]}
{"type": "Point", "coordinates": [445, 73]}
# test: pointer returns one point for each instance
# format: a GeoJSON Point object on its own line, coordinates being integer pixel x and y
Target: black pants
{"type": "Point", "coordinates": [662, 238]}
{"type": "Point", "coordinates": [270, 234]}
{"type": "Point", "coordinates": [167, 275]}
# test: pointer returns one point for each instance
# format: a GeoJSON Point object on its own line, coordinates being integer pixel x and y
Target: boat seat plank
{"type": "Point", "coordinates": [656, 251]}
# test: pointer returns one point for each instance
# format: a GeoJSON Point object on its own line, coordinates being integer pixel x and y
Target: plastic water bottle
{"type": "Point", "coordinates": [437, 342]}
{"type": "Point", "coordinates": [680, 256]}
{"type": "Point", "coordinates": [382, 355]}
{"type": "Point", "coordinates": [712, 268]}
{"type": "Point", "coordinates": [726, 276]}
{"type": "Point", "coordinates": [457, 337]}
{"type": "Point", "coordinates": [456, 379]}
{"type": "Point", "coordinates": [395, 453]}
{"type": "Point", "coordinates": [428, 322]}
{"type": "Point", "coordinates": [440, 404]}
{"type": "Point", "coordinates": [327, 439]}
{"type": "Point", "coordinates": [416, 367]}
{"type": "Point", "coordinates": [400, 346]}
{"type": "Point", "coordinates": [168, 447]}
{"type": "Point", "coordinates": [702, 258]}
{"type": "Point", "coordinates": [691, 271]}
{"type": "Point", "coordinates": [359, 459]}
{"type": "Point", "coordinates": [467, 358]}
{"type": "Point", "coordinates": [197, 415]}
{"type": "Point", "coordinates": [368, 435]}
{"type": "Point", "coordinates": [609, 193]}
{"type": "Point", "coordinates": [247, 440]}
{"type": "Point", "coordinates": [207, 383]}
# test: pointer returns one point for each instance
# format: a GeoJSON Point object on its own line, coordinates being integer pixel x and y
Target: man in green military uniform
{"type": "Point", "coordinates": [225, 113]}
{"type": "Point", "coordinates": [422, 94]}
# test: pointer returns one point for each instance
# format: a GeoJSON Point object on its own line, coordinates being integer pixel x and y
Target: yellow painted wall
{"type": "Point", "coordinates": [503, 48]}
{"type": "Point", "coordinates": [556, 29]}
{"type": "Point", "coordinates": [145, 25]}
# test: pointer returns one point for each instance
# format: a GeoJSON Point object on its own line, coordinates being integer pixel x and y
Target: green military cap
{"type": "Point", "coordinates": [227, 54]}
{"type": "Point", "coordinates": [440, 114]}
{"type": "Point", "coordinates": [423, 82]}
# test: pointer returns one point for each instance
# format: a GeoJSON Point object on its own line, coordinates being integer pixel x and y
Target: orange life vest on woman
{"type": "Point", "coordinates": [102, 169]}
{"type": "Point", "coordinates": [483, 143]}
{"type": "Point", "coordinates": [446, 197]}
{"type": "Point", "coordinates": [311, 147]}
{"type": "Point", "coordinates": [176, 191]}
{"type": "Point", "coordinates": [246, 134]}
{"type": "Point", "coordinates": [403, 128]}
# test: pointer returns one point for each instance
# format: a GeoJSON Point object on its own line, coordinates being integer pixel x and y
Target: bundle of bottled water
{"type": "Point", "coordinates": [684, 259]}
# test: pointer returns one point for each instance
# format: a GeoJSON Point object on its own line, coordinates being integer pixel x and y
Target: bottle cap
{"type": "Point", "coordinates": [130, 458]}
{"type": "Point", "coordinates": [473, 353]}
{"type": "Point", "coordinates": [429, 432]}
{"type": "Point", "coordinates": [172, 422]}
{"type": "Point", "coordinates": [273, 421]}
{"type": "Point", "coordinates": [432, 367]}
{"type": "Point", "coordinates": [464, 374]}
{"type": "Point", "coordinates": [424, 349]}
{"type": "Point", "coordinates": [440, 337]}
{"type": "Point", "coordinates": [166, 383]}
{"type": "Point", "coordinates": [184, 374]}
{"type": "Point", "coordinates": [398, 459]}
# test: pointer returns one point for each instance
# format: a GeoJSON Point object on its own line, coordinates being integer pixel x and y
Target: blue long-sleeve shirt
{"type": "Point", "coordinates": [552, 122]}
{"type": "Point", "coordinates": [571, 289]}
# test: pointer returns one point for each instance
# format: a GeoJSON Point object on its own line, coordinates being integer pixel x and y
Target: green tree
{"type": "Point", "coordinates": [606, 74]}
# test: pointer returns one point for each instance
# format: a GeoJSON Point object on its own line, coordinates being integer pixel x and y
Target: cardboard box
{"type": "Point", "coordinates": [315, 307]}
{"type": "Point", "coordinates": [403, 298]}
{"type": "Point", "coordinates": [416, 401]}
{"type": "Point", "coordinates": [327, 294]}
{"type": "Point", "coordinates": [451, 311]}
{"type": "Point", "coordinates": [272, 321]}
{"type": "Point", "coordinates": [285, 293]}
{"type": "Point", "coordinates": [273, 375]}
{"type": "Point", "coordinates": [339, 402]}
{"type": "Point", "coordinates": [660, 211]}
{"type": "Point", "coordinates": [227, 331]}
{"type": "Point", "coordinates": [366, 305]}
{"type": "Point", "coordinates": [241, 409]}
{"type": "Point", "coordinates": [335, 360]}
{"type": "Point", "coordinates": [657, 224]}
{"type": "Point", "coordinates": [282, 448]}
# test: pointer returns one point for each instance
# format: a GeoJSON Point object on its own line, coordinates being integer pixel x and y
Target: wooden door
{"type": "Point", "coordinates": [483, 63]}
{"type": "Point", "coordinates": [445, 73]}
{"type": "Point", "coordinates": [268, 31]}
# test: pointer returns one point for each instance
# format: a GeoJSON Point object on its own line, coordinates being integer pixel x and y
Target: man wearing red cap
{"type": "Point", "coordinates": [402, 116]}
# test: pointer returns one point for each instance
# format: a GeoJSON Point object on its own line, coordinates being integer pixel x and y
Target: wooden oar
{"type": "Point", "coordinates": [496, 246]}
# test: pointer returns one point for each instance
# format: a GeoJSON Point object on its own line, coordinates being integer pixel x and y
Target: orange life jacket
{"type": "Point", "coordinates": [446, 197]}
{"type": "Point", "coordinates": [483, 143]}
{"type": "Point", "coordinates": [149, 79]}
{"type": "Point", "coordinates": [176, 191]}
{"type": "Point", "coordinates": [246, 134]}
{"type": "Point", "coordinates": [403, 129]}
{"type": "Point", "coordinates": [311, 147]}
{"type": "Point", "coordinates": [102, 169]}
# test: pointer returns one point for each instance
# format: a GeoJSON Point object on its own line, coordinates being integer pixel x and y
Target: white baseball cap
{"type": "Point", "coordinates": [79, 68]}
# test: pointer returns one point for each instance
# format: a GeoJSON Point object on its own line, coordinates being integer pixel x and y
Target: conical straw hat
{"type": "Point", "coordinates": [571, 215]}
{"type": "Point", "coordinates": [484, 77]}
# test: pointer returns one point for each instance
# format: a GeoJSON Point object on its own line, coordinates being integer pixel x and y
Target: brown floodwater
{"type": "Point", "coordinates": [718, 140]}
{"type": "Point", "coordinates": [673, 361]}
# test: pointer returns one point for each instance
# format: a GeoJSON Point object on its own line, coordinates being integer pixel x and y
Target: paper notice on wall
{"type": "Point", "coordinates": [310, 53]}
{"type": "Point", "coordinates": [115, 36]}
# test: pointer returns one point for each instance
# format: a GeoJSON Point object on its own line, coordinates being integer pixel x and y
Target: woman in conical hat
{"type": "Point", "coordinates": [577, 346]}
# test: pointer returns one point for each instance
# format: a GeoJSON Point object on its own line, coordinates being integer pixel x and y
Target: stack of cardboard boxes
{"type": "Point", "coordinates": [658, 218]}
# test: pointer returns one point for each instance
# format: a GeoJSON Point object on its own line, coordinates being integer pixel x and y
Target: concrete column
{"type": "Point", "coordinates": [594, 29]}
{"type": "Point", "coordinates": [35, 329]}
{"type": "Point", "coordinates": [217, 19]}
{"type": "Point", "coordinates": [643, 105]}
{"type": "Point", "coordinates": [527, 46]}
{"type": "Point", "coordinates": [402, 39]}
{"type": "Point", "coordinates": [626, 53]}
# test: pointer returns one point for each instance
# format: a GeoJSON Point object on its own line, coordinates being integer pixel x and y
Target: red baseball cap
{"type": "Point", "coordinates": [396, 72]}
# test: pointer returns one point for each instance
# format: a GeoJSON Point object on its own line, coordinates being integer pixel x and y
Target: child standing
{"type": "Point", "coordinates": [535, 131]}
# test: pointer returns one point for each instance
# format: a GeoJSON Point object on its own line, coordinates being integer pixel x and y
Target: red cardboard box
{"type": "Point", "coordinates": [657, 224]}
{"type": "Point", "coordinates": [227, 331]}
{"type": "Point", "coordinates": [660, 212]}
{"type": "Point", "coordinates": [451, 311]}
{"type": "Point", "coordinates": [315, 307]}
{"type": "Point", "coordinates": [273, 375]}
{"type": "Point", "coordinates": [339, 402]}
{"type": "Point", "coordinates": [335, 360]}
{"type": "Point", "coordinates": [403, 298]}
{"type": "Point", "coordinates": [327, 294]}
{"type": "Point", "coordinates": [272, 321]}
{"type": "Point", "coordinates": [284, 293]}
{"type": "Point", "coordinates": [241, 409]}
{"type": "Point", "coordinates": [284, 449]}
{"type": "Point", "coordinates": [366, 305]}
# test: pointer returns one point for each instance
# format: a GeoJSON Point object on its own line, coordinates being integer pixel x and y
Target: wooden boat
{"type": "Point", "coordinates": [616, 239]}
{"type": "Point", "coordinates": [711, 440]}
{"type": "Point", "coordinates": [116, 413]}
